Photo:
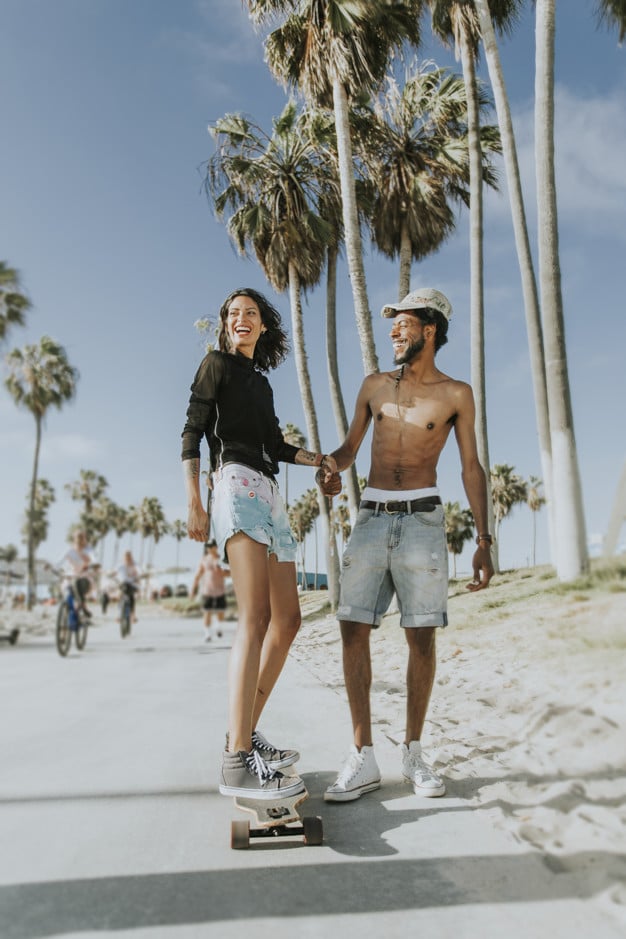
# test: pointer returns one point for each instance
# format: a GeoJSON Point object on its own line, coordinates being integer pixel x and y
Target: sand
{"type": "Point", "coordinates": [528, 714]}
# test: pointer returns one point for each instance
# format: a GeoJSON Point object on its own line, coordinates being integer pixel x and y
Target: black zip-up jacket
{"type": "Point", "coordinates": [232, 405]}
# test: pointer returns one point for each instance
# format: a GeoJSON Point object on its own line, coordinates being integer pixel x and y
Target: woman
{"type": "Point", "coordinates": [232, 405]}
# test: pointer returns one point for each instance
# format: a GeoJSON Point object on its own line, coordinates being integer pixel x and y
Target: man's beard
{"type": "Point", "coordinates": [410, 353]}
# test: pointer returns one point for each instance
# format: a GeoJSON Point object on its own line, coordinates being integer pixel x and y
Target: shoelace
{"type": "Point", "coordinates": [352, 766]}
{"type": "Point", "coordinates": [264, 746]}
{"type": "Point", "coordinates": [258, 767]}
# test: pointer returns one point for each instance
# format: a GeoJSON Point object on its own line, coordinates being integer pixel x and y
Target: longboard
{"type": "Point", "coordinates": [275, 820]}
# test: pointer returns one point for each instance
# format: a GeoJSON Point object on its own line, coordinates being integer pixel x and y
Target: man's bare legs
{"type": "Point", "coordinates": [357, 670]}
{"type": "Point", "coordinates": [360, 772]}
{"type": "Point", "coordinates": [420, 676]}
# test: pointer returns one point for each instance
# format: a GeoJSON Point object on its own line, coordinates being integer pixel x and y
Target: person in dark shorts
{"type": "Point", "coordinates": [210, 581]}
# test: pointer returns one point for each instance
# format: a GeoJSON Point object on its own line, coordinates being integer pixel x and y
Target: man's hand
{"type": "Point", "coordinates": [329, 479]}
{"type": "Point", "coordinates": [197, 523]}
{"type": "Point", "coordinates": [482, 566]}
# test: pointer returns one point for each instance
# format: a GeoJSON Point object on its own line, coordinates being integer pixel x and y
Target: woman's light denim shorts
{"type": "Point", "coordinates": [401, 553]}
{"type": "Point", "coordinates": [247, 501]}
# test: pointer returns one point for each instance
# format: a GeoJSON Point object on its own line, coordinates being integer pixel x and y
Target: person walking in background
{"type": "Point", "coordinates": [232, 405]}
{"type": "Point", "coordinates": [398, 543]}
{"type": "Point", "coordinates": [210, 580]}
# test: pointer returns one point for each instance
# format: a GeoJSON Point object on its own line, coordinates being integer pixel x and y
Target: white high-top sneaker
{"type": "Point", "coordinates": [359, 774]}
{"type": "Point", "coordinates": [425, 780]}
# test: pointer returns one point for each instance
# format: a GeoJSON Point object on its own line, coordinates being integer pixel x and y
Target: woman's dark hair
{"type": "Point", "coordinates": [434, 317]}
{"type": "Point", "coordinates": [272, 346]}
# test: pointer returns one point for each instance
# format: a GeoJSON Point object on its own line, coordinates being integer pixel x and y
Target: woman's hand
{"type": "Point", "coordinates": [197, 523]}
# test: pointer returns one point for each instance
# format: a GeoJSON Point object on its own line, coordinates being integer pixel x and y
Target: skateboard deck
{"type": "Point", "coordinates": [275, 819]}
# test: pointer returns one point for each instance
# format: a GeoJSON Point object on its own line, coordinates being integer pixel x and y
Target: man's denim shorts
{"type": "Point", "coordinates": [247, 501]}
{"type": "Point", "coordinates": [401, 553]}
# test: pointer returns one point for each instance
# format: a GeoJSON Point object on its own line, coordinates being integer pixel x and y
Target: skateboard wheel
{"type": "Point", "coordinates": [313, 830]}
{"type": "Point", "coordinates": [239, 835]}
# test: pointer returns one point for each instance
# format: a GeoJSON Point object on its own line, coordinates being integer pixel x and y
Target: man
{"type": "Point", "coordinates": [398, 543]}
{"type": "Point", "coordinates": [210, 578]}
{"type": "Point", "coordinates": [78, 566]}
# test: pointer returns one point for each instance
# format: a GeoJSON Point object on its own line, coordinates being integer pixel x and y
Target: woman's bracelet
{"type": "Point", "coordinates": [319, 459]}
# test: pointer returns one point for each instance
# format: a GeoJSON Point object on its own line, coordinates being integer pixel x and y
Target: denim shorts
{"type": "Point", "coordinates": [401, 553]}
{"type": "Point", "coordinates": [245, 500]}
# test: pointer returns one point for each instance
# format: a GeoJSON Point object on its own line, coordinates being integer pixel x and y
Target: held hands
{"type": "Point", "coordinates": [328, 478]}
{"type": "Point", "coordinates": [482, 566]}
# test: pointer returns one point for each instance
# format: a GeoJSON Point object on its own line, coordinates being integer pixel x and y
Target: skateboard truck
{"type": "Point", "coordinates": [275, 820]}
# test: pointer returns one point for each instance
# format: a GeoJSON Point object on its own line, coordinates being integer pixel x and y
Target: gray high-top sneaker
{"type": "Point", "coordinates": [275, 758]}
{"type": "Point", "coordinates": [248, 775]}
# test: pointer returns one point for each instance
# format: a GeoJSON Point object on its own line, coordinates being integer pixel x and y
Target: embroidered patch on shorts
{"type": "Point", "coordinates": [252, 495]}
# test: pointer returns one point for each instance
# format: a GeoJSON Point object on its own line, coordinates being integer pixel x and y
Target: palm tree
{"type": "Point", "coordinates": [38, 520]}
{"type": "Point", "coordinates": [456, 21]}
{"type": "Point", "coordinates": [8, 554]}
{"type": "Point", "coordinates": [459, 524]}
{"type": "Point", "coordinates": [334, 50]}
{"type": "Point", "coordinates": [507, 489]}
{"type": "Point", "coordinates": [569, 522]}
{"type": "Point", "coordinates": [330, 209]}
{"type": "Point", "coordinates": [13, 303]}
{"type": "Point", "coordinates": [534, 499]}
{"type": "Point", "coordinates": [296, 438]}
{"type": "Point", "coordinates": [178, 530]}
{"type": "Point", "coordinates": [520, 229]}
{"type": "Point", "coordinates": [272, 184]}
{"type": "Point", "coordinates": [614, 13]}
{"type": "Point", "coordinates": [413, 145]}
{"type": "Point", "coordinates": [120, 525]}
{"type": "Point", "coordinates": [89, 489]}
{"type": "Point", "coordinates": [40, 376]}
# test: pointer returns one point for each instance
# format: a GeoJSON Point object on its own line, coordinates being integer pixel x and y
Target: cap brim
{"type": "Point", "coordinates": [392, 308]}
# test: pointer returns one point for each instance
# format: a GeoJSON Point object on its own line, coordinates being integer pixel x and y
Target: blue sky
{"type": "Point", "coordinates": [105, 111]}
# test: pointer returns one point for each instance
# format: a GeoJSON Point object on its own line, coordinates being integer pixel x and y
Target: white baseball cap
{"type": "Point", "coordinates": [423, 298]}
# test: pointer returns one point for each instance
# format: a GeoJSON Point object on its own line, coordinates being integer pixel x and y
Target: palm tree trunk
{"type": "Point", "coordinates": [31, 582]}
{"type": "Point", "coordinates": [354, 249]}
{"type": "Point", "coordinates": [310, 416]}
{"type": "Point", "coordinates": [336, 394]}
{"type": "Point", "coordinates": [477, 305]}
{"type": "Point", "coordinates": [406, 256]}
{"type": "Point", "coordinates": [522, 243]}
{"type": "Point", "coordinates": [569, 523]}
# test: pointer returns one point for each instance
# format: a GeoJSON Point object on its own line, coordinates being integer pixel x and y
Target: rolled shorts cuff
{"type": "Point", "coordinates": [418, 620]}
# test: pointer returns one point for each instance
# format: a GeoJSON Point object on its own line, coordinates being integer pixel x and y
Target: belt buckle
{"type": "Point", "coordinates": [391, 511]}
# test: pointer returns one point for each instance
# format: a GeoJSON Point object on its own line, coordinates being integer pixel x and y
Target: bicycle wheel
{"type": "Point", "coordinates": [125, 620]}
{"type": "Point", "coordinates": [81, 632]}
{"type": "Point", "coordinates": [63, 631]}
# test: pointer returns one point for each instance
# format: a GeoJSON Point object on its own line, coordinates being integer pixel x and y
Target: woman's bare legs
{"type": "Point", "coordinates": [249, 567]}
{"type": "Point", "coordinates": [285, 622]}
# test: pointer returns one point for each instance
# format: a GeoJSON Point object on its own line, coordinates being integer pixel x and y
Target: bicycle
{"type": "Point", "coordinates": [126, 609]}
{"type": "Point", "coordinates": [69, 620]}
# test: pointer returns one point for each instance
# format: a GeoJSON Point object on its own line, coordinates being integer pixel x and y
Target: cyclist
{"type": "Point", "coordinates": [77, 566]}
{"type": "Point", "coordinates": [128, 579]}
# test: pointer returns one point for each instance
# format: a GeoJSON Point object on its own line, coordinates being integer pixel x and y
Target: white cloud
{"type": "Point", "coordinates": [590, 140]}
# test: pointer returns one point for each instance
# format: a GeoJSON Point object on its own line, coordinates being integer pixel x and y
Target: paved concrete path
{"type": "Point", "coordinates": [111, 824]}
